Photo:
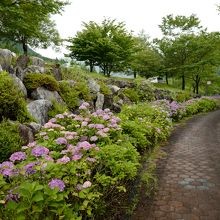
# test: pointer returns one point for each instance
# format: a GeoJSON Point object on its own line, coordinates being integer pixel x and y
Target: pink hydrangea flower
{"type": "Point", "coordinates": [94, 138]}
{"type": "Point", "coordinates": [84, 145]}
{"type": "Point", "coordinates": [87, 184]}
{"type": "Point", "coordinates": [59, 116]}
{"type": "Point", "coordinates": [84, 123]}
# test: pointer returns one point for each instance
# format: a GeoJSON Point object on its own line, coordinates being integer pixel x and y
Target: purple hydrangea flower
{"type": "Point", "coordinates": [64, 160]}
{"type": "Point", "coordinates": [29, 168]}
{"type": "Point", "coordinates": [53, 120]}
{"type": "Point", "coordinates": [18, 156]}
{"type": "Point", "coordinates": [99, 126]}
{"type": "Point", "coordinates": [7, 172]}
{"type": "Point", "coordinates": [57, 183]}
{"type": "Point", "coordinates": [84, 145]}
{"type": "Point", "coordinates": [77, 156]}
{"type": "Point", "coordinates": [7, 164]}
{"type": "Point", "coordinates": [39, 151]}
{"type": "Point", "coordinates": [61, 141]}
{"type": "Point", "coordinates": [12, 197]}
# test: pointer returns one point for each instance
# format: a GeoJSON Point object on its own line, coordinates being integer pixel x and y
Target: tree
{"type": "Point", "coordinates": [145, 60]}
{"type": "Point", "coordinates": [107, 45]}
{"type": "Point", "coordinates": [204, 58]}
{"type": "Point", "coordinates": [173, 46]}
{"type": "Point", "coordinates": [28, 22]}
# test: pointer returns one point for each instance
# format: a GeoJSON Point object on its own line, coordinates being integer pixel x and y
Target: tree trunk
{"type": "Point", "coordinates": [197, 84]}
{"type": "Point", "coordinates": [25, 47]}
{"type": "Point", "coordinates": [91, 66]}
{"type": "Point", "coordinates": [135, 75]}
{"type": "Point", "coordinates": [183, 82]}
{"type": "Point", "coordinates": [166, 75]}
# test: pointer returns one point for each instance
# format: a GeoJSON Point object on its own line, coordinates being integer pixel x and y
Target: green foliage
{"type": "Point", "coordinates": [56, 109]}
{"type": "Point", "coordinates": [132, 94]}
{"type": "Point", "coordinates": [10, 140]}
{"type": "Point", "coordinates": [144, 90]}
{"type": "Point", "coordinates": [144, 125]}
{"type": "Point", "coordinates": [12, 103]}
{"type": "Point", "coordinates": [72, 94]}
{"type": "Point", "coordinates": [39, 29]}
{"type": "Point", "coordinates": [107, 45]}
{"type": "Point", "coordinates": [145, 60]}
{"type": "Point", "coordinates": [104, 89]}
{"type": "Point", "coordinates": [90, 172]}
{"type": "Point", "coordinates": [181, 96]}
{"type": "Point", "coordinates": [34, 80]}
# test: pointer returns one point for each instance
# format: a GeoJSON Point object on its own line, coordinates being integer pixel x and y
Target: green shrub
{"type": "Point", "coordinates": [73, 94]}
{"type": "Point", "coordinates": [12, 103]}
{"type": "Point", "coordinates": [181, 96]}
{"type": "Point", "coordinates": [132, 94]}
{"type": "Point", "coordinates": [145, 125]}
{"type": "Point", "coordinates": [56, 109]}
{"type": "Point", "coordinates": [206, 104]}
{"type": "Point", "coordinates": [104, 89]}
{"type": "Point", "coordinates": [10, 140]}
{"type": "Point", "coordinates": [144, 90]}
{"type": "Point", "coordinates": [34, 80]}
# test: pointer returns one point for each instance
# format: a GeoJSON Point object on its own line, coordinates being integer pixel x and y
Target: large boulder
{"type": "Point", "coordinates": [26, 134]}
{"type": "Point", "coordinates": [19, 72]}
{"type": "Point", "coordinates": [19, 84]}
{"type": "Point", "coordinates": [39, 110]}
{"type": "Point", "coordinates": [22, 61]}
{"type": "Point", "coordinates": [100, 101]}
{"type": "Point", "coordinates": [35, 127]}
{"type": "Point", "coordinates": [114, 88]}
{"type": "Point", "coordinates": [57, 72]}
{"type": "Point", "coordinates": [34, 69]}
{"type": "Point", "coordinates": [36, 61]}
{"type": "Point", "coordinates": [6, 57]}
{"type": "Point", "coordinates": [94, 87]}
{"type": "Point", "coordinates": [42, 93]}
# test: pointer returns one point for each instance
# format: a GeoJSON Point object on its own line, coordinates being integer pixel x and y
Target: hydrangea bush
{"type": "Point", "coordinates": [67, 173]}
{"type": "Point", "coordinates": [79, 163]}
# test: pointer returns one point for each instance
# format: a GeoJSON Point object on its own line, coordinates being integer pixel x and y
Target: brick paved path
{"type": "Point", "coordinates": [189, 178]}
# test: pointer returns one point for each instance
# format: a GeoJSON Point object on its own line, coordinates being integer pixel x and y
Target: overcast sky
{"type": "Point", "coordinates": [137, 15]}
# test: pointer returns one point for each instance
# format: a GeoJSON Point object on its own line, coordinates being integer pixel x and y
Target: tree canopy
{"type": "Point", "coordinates": [107, 45]}
{"type": "Point", "coordinates": [29, 22]}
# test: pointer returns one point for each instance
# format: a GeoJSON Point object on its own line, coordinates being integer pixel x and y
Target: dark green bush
{"type": "Point", "coordinates": [12, 103]}
{"type": "Point", "coordinates": [73, 94]}
{"type": "Point", "coordinates": [10, 140]}
{"type": "Point", "coordinates": [34, 80]}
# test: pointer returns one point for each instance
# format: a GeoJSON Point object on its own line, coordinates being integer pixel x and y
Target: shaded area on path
{"type": "Point", "coordinates": [189, 177]}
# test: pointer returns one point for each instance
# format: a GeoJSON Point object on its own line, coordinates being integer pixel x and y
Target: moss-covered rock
{"type": "Point", "coordinates": [34, 80]}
